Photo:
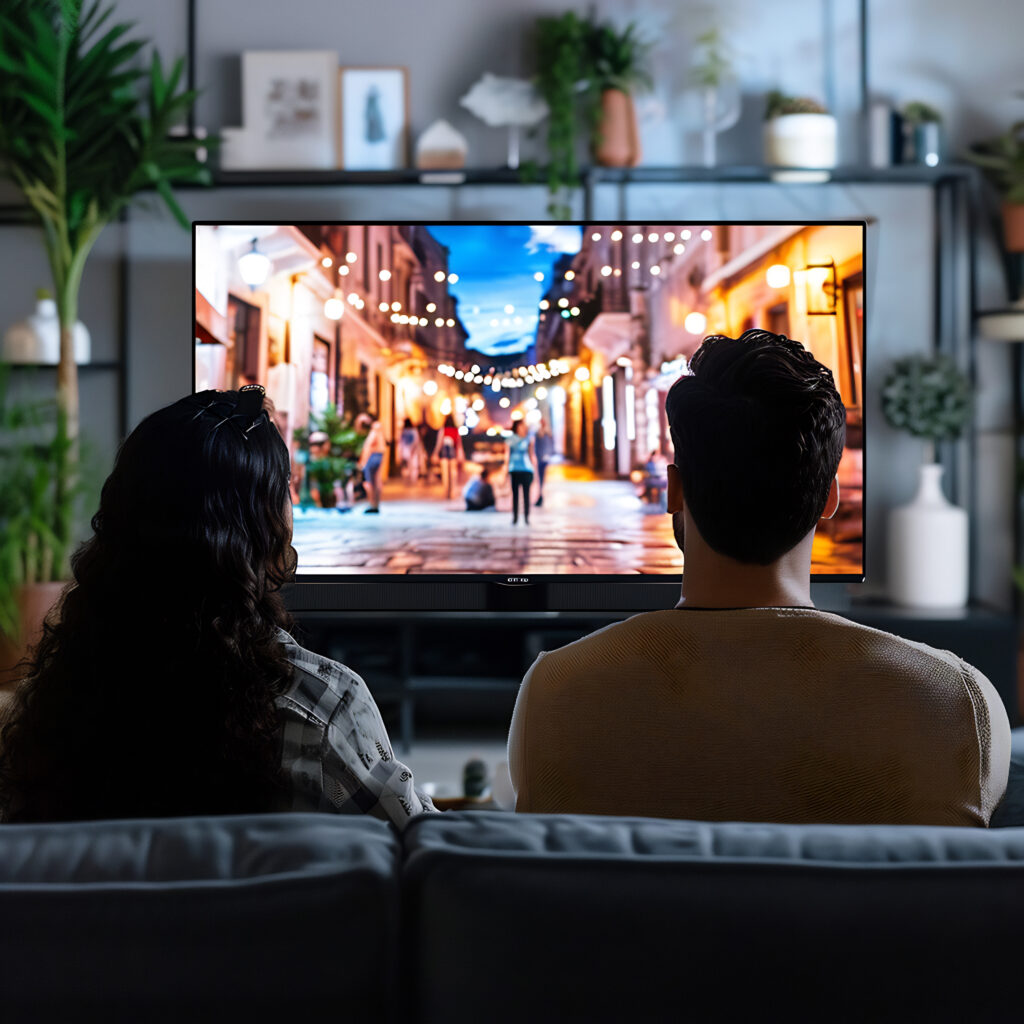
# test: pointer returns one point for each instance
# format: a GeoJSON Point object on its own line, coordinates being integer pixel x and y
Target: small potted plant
{"type": "Point", "coordinates": [617, 72]}
{"type": "Point", "coordinates": [1002, 160]}
{"type": "Point", "coordinates": [798, 132]}
{"type": "Point", "coordinates": [928, 398]}
{"type": "Point", "coordinates": [922, 134]}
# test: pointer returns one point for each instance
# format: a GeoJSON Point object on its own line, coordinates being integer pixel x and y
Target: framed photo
{"type": "Point", "coordinates": [290, 108]}
{"type": "Point", "coordinates": [374, 118]}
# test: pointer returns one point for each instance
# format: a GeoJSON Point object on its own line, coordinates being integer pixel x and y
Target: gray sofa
{"type": "Point", "coordinates": [485, 916]}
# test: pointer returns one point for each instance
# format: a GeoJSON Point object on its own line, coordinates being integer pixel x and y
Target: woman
{"type": "Point", "coordinates": [410, 450]}
{"type": "Point", "coordinates": [166, 684]}
{"type": "Point", "coordinates": [520, 462]}
{"type": "Point", "coordinates": [371, 457]}
{"type": "Point", "coordinates": [449, 451]}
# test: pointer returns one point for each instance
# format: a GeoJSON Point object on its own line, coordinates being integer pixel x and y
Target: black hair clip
{"type": "Point", "coordinates": [250, 401]}
{"type": "Point", "coordinates": [250, 405]}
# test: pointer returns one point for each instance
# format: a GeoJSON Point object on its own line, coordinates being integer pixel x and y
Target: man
{"type": "Point", "coordinates": [744, 702]}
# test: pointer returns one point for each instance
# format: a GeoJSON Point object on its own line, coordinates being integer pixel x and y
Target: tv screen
{"type": "Point", "coordinates": [420, 370]}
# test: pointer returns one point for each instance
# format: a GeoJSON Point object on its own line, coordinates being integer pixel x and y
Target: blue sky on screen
{"type": "Point", "coordinates": [496, 264]}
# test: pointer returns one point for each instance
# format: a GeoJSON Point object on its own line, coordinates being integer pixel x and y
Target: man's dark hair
{"type": "Point", "coordinates": [758, 429]}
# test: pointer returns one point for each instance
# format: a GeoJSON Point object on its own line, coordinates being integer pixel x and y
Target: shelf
{"type": "Point", "coordinates": [904, 174]}
{"type": "Point", "coordinates": [82, 367]}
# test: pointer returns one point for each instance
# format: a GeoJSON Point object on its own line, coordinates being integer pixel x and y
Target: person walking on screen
{"type": "Point", "coordinates": [520, 463]}
{"type": "Point", "coordinates": [544, 448]}
{"type": "Point", "coordinates": [449, 452]}
{"type": "Point", "coordinates": [410, 451]}
{"type": "Point", "coordinates": [371, 458]}
{"type": "Point", "coordinates": [479, 494]}
{"type": "Point", "coordinates": [744, 702]}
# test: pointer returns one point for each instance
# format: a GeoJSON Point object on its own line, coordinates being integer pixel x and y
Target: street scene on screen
{"type": "Point", "coordinates": [467, 398]}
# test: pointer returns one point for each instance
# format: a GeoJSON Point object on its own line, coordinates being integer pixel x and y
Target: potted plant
{"type": "Point", "coordinates": [34, 514]}
{"type": "Point", "coordinates": [929, 398]}
{"type": "Point", "coordinates": [922, 134]}
{"type": "Point", "coordinates": [1002, 160]}
{"type": "Point", "coordinates": [617, 72]}
{"type": "Point", "coordinates": [83, 131]}
{"type": "Point", "coordinates": [798, 132]}
{"type": "Point", "coordinates": [587, 74]}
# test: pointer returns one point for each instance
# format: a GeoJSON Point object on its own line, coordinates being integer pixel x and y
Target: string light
{"type": "Point", "coordinates": [384, 275]}
{"type": "Point", "coordinates": [327, 262]}
{"type": "Point", "coordinates": [616, 235]}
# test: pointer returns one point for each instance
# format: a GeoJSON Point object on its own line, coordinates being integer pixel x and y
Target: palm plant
{"type": "Point", "coordinates": [80, 142]}
{"type": "Point", "coordinates": [83, 131]}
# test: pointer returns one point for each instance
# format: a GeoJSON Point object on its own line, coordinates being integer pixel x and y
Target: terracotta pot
{"type": "Point", "coordinates": [617, 143]}
{"type": "Point", "coordinates": [1013, 226]}
{"type": "Point", "coordinates": [34, 603]}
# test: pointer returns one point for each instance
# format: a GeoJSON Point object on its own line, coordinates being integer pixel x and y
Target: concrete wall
{"type": "Point", "coordinates": [920, 49]}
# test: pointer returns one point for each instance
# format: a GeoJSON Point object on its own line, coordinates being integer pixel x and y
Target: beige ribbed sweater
{"type": "Point", "coordinates": [758, 714]}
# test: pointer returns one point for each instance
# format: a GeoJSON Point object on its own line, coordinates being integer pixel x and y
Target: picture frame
{"type": "Point", "coordinates": [290, 109]}
{"type": "Point", "coordinates": [373, 118]}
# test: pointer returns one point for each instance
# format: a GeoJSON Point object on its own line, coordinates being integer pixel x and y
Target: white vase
{"type": "Point", "coordinates": [36, 339]}
{"type": "Point", "coordinates": [928, 547]}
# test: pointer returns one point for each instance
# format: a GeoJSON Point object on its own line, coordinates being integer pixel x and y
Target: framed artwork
{"type": "Point", "coordinates": [374, 118]}
{"type": "Point", "coordinates": [290, 108]}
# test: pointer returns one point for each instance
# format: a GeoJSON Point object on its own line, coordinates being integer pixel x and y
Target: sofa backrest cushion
{"type": "Point", "coordinates": [598, 918]}
{"type": "Point", "coordinates": [187, 919]}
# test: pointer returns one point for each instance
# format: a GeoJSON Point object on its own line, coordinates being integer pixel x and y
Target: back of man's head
{"type": "Point", "coordinates": [758, 429]}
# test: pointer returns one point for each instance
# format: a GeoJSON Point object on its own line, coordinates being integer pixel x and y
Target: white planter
{"type": "Point", "coordinates": [928, 548]}
{"type": "Point", "coordinates": [36, 339]}
{"type": "Point", "coordinates": [800, 140]}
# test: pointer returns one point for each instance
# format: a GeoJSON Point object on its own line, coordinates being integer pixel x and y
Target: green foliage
{"type": "Point", "coordinates": [38, 509]}
{"type": "Point", "coordinates": [345, 444]}
{"type": "Point", "coordinates": [714, 65]}
{"type": "Point", "coordinates": [921, 113]}
{"type": "Point", "coordinates": [929, 398]}
{"type": "Point", "coordinates": [577, 60]}
{"type": "Point", "coordinates": [561, 45]}
{"type": "Point", "coordinates": [83, 129]}
{"type": "Point", "coordinates": [1002, 160]}
{"type": "Point", "coordinates": [779, 105]}
{"type": "Point", "coordinates": [618, 59]}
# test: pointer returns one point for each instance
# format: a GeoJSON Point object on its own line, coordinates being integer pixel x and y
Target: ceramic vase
{"type": "Point", "coordinates": [36, 339]}
{"type": "Point", "coordinates": [928, 547]}
{"type": "Point", "coordinates": [618, 143]}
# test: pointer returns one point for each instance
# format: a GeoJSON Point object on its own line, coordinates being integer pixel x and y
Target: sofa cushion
{"type": "Point", "coordinates": [598, 918]}
{"type": "Point", "coordinates": [198, 918]}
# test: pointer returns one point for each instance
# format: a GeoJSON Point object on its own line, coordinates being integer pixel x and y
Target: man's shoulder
{"type": "Point", "coordinates": [649, 636]}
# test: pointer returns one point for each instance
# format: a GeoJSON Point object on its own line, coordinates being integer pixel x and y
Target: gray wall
{"type": "Point", "coordinates": [920, 49]}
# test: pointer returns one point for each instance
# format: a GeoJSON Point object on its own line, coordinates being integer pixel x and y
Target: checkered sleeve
{"type": "Point", "coordinates": [336, 751]}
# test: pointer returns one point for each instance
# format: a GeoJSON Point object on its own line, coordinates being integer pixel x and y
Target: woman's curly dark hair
{"type": "Point", "coordinates": [152, 691]}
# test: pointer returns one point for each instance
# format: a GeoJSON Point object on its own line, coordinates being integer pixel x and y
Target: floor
{"type": "Point", "coordinates": [437, 766]}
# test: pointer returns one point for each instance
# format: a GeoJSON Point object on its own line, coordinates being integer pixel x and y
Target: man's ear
{"type": "Point", "coordinates": [832, 503]}
{"type": "Point", "coordinates": [675, 489]}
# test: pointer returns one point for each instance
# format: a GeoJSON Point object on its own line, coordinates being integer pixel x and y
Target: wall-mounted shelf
{"type": "Point", "coordinates": [902, 174]}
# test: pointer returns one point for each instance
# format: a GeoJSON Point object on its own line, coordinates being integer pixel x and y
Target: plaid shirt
{"type": "Point", "coordinates": [336, 753]}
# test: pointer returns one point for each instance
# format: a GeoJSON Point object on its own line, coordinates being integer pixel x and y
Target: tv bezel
{"type": "Point", "coordinates": [535, 592]}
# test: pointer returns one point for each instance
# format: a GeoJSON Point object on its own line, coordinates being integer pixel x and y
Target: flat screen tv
{"type": "Point", "coordinates": [431, 345]}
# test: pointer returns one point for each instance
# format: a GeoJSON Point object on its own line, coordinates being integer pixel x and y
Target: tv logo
{"type": "Point", "coordinates": [517, 579]}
